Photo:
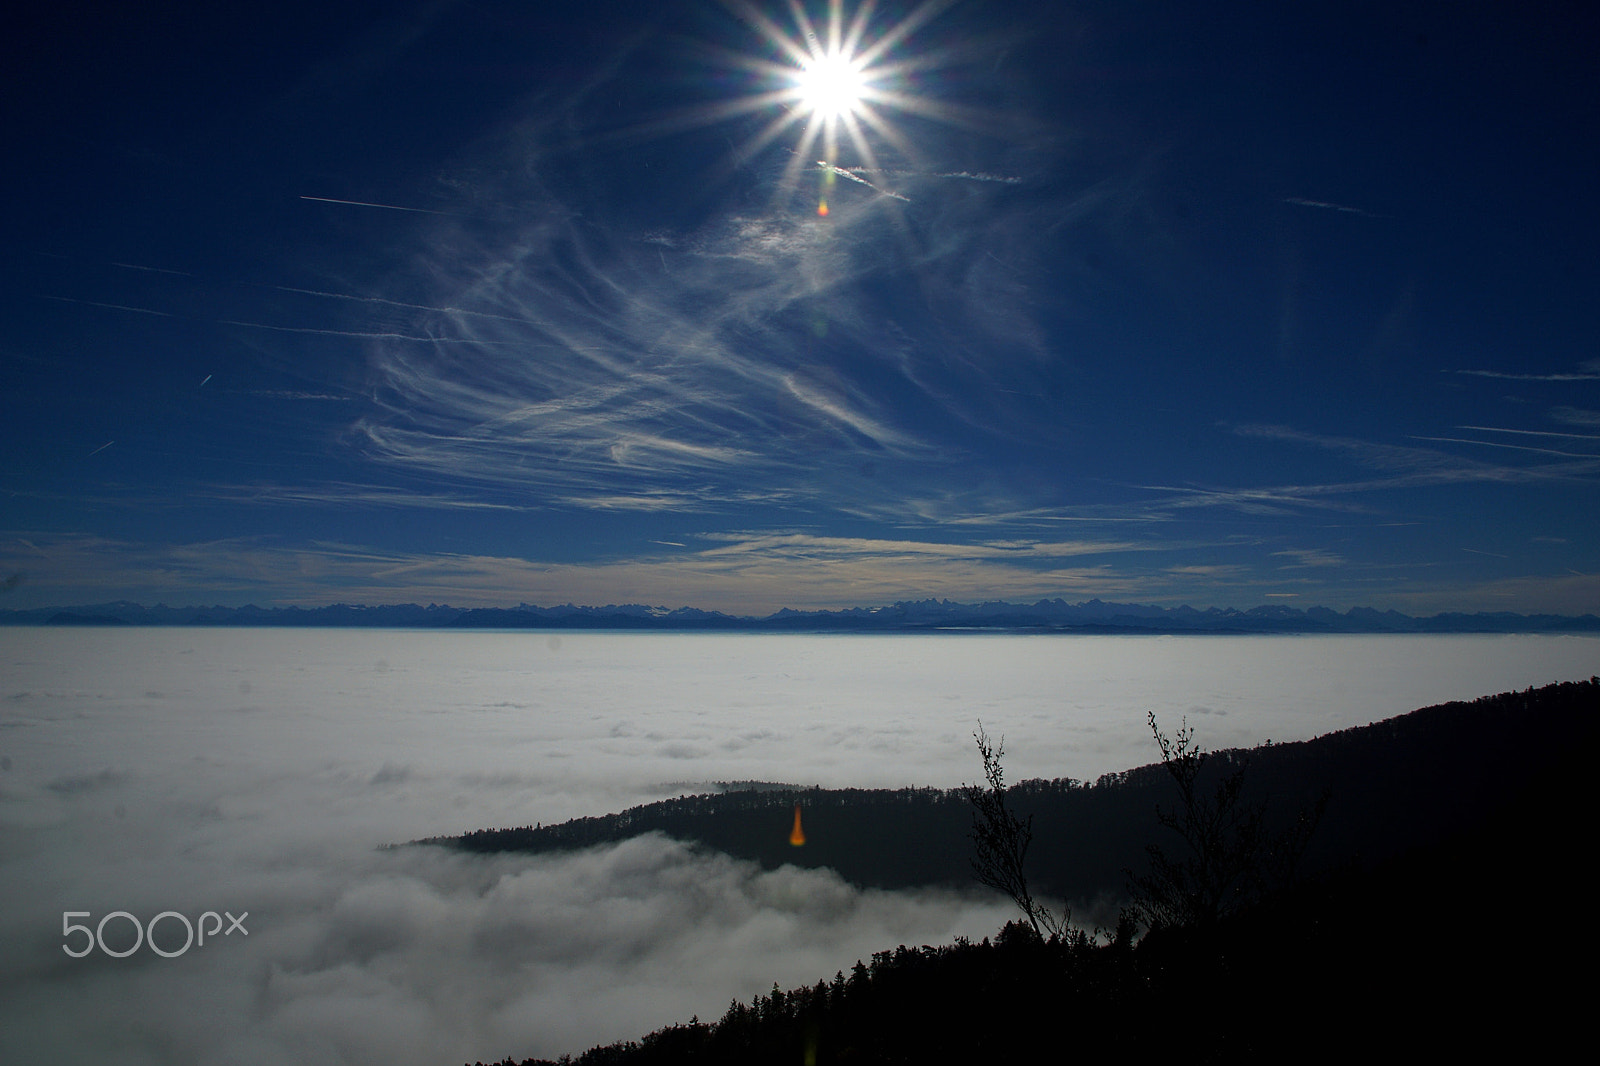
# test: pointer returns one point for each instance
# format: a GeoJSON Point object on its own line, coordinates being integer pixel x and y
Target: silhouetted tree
{"type": "Point", "coordinates": [1000, 840]}
{"type": "Point", "coordinates": [1232, 858]}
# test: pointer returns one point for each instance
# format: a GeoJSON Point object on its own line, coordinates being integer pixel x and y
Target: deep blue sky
{"type": "Point", "coordinates": [1156, 302]}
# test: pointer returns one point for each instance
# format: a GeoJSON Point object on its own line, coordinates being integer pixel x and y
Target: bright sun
{"type": "Point", "coordinates": [838, 79]}
{"type": "Point", "coordinates": [831, 86]}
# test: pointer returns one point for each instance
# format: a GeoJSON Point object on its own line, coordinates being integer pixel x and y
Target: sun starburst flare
{"type": "Point", "coordinates": [838, 80]}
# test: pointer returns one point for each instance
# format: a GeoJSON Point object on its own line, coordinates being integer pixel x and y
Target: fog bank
{"type": "Point", "coordinates": [241, 771]}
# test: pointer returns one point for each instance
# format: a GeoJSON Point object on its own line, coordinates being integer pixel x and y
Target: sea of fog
{"type": "Point", "coordinates": [258, 771]}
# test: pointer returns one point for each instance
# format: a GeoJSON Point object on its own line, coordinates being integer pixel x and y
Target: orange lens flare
{"type": "Point", "coordinates": [822, 209]}
{"type": "Point", "coordinates": [797, 836]}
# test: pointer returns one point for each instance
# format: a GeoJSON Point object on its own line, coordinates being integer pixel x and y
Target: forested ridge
{"type": "Point", "coordinates": [1392, 786]}
{"type": "Point", "coordinates": [1451, 931]}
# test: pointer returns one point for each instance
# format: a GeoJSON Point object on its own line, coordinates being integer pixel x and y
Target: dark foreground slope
{"type": "Point", "coordinates": [1392, 786]}
{"type": "Point", "coordinates": [1472, 944]}
{"type": "Point", "coordinates": [1419, 958]}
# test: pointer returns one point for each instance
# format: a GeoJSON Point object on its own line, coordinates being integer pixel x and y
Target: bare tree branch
{"type": "Point", "coordinates": [1000, 840]}
{"type": "Point", "coordinates": [1231, 858]}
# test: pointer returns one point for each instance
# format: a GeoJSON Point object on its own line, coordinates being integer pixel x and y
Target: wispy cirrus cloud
{"type": "Point", "coordinates": [1575, 416]}
{"type": "Point", "coordinates": [750, 573]}
{"type": "Point", "coordinates": [353, 494]}
{"type": "Point", "coordinates": [812, 546]}
{"type": "Point", "coordinates": [746, 356]}
{"type": "Point", "coordinates": [585, 374]}
{"type": "Point", "coordinates": [1312, 558]}
{"type": "Point", "coordinates": [1407, 466]}
{"type": "Point", "coordinates": [1210, 572]}
{"type": "Point", "coordinates": [1268, 501]}
{"type": "Point", "coordinates": [1397, 467]}
{"type": "Point", "coordinates": [744, 573]}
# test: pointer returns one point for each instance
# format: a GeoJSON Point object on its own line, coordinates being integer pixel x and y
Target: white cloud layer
{"type": "Point", "coordinates": [423, 956]}
{"type": "Point", "coordinates": [190, 770]}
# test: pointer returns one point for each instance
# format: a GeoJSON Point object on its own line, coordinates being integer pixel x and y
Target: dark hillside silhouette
{"type": "Point", "coordinates": [890, 838]}
{"type": "Point", "coordinates": [1225, 858]}
{"type": "Point", "coordinates": [1451, 938]}
{"type": "Point", "coordinates": [1393, 786]}
{"type": "Point", "coordinates": [1420, 957]}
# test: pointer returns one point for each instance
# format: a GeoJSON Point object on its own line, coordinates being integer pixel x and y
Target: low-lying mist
{"type": "Point", "coordinates": [423, 956]}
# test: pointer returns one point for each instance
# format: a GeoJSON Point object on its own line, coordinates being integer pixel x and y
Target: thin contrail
{"type": "Point", "coordinates": [401, 303]}
{"type": "Point", "coordinates": [295, 329]}
{"type": "Point", "coordinates": [203, 383]}
{"type": "Point", "coordinates": [966, 175]}
{"type": "Point", "coordinates": [823, 164]}
{"type": "Point", "coordinates": [364, 203]}
{"type": "Point", "coordinates": [1533, 432]}
{"type": "Point", "coordinates": [1511, 447]}
{"type": "Point", "coordinates": [110, 307]}
{"type": "Point", "coordinates": [1326, 206]}
{"type": "Point", "coordinates": [358, 333]}
{"type": "Point", "coordinates": [1003, 179]}
{"type": "Point", "coordinates": [1587, 376]}
{"type": "Point", "coordinates": [100, 449]}
{"type": "Point", "coordinates": [334, 332]}
{"type": "Point", "coordinates": [153, 270]}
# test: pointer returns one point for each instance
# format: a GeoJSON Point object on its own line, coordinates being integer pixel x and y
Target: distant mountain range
{"type": "Point", "coordinates": [1044, 616]}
